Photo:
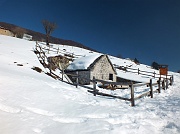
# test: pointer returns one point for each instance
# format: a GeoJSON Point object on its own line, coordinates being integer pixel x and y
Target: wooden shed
{"type": "Point", "coordinates": [98, 66]}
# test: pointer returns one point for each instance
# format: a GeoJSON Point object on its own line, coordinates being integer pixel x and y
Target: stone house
{"type": "Point", "coordinates": [5, 31]}
{"type": "Point", "coordinates": [98, 66]}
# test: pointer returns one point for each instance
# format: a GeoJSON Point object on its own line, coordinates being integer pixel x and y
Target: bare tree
{"type": "Point", "coordinates": [49, 28]}
{"type": "Point", "coordinates": [136, 61]}
{"type": "Point", "coordinates": [155, 65]}
{"type": "Point", "coordinates": [19, 32]}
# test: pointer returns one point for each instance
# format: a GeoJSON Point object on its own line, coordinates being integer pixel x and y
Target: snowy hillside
{"type": "Point", "coordinates": [32, 102]}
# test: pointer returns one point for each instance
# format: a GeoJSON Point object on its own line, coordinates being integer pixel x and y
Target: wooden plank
{"type": "Point", "coordinates": [91, 89]}
{"type": "Point", "coordinates": [77, 79]}
{"type": "Point", "coordinates": [142, 95]}
{"type": "Point", "coordinates": [140, 84]}
{"type": "Point", "coordinates": [113, 83]}
{"type": "Point", "coordinates": [151, 88]}
{"type": "Point", "coordinates": [159, 85]}
{"type": "Point", "coordinates": [163, 85]}
{"type": "Point", "coordinates": [74, 75]}
{"type": "Point", "coordinates": [146, 72]}
{"type": "Point", "coordinates": [94, 86]}
{"type": "Point", "coordinates": [145, 94]}
{"type": "Point", "coordinates": [154, 84]}
{"type": "Point", "coordinates": [167, 83]}
{"type": "Point", "coordinates": [156, 91]}
{"type": "Point", "coordinates": [132, 95]}
{"type": "Point", "coordinates": [108, 95]}
{"type": "Point", "coordinates": [130, 68]}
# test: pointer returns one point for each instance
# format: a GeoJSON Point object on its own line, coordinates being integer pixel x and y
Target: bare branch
{"type": "Point", "coordinates": [49, 27]}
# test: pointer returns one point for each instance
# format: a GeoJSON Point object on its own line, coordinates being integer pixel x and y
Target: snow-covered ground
{"type": "Point", "coordinates": [32, 102]}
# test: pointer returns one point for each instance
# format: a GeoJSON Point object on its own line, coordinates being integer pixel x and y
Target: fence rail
{"type": "Point", "coordinates": [161, 84]}
{"type": "Point", "coordinates": [143, 72]}
{"type": "Point", "coordinates": [59, 51]}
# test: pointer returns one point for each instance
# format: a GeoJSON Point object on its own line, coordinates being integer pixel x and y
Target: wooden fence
{"type": "Point", "coordinates": [59, 51]}
{"type": "Point", "coordinates": [43, 59]}
{"type": "Point", "coordinates": [41, 54]}
{"type": "Point", "coordinates": [143, 72]}
{"type": "Point", "coordinates": [162, 83]}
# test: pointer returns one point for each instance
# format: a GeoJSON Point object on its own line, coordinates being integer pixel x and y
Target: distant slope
{"type": "Point", "coordinates": [39, 37]}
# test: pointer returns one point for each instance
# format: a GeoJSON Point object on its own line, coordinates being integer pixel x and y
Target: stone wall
{"type": "Point", "coordinates": [102, 69]}
{"type": "Point", "coordinates": [54, 62]}
{"type": "Point", "coordinates": [84, 77]}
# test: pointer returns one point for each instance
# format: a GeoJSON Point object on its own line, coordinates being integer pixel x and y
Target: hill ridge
{"type": "Point", "coordinates": [37, 36]}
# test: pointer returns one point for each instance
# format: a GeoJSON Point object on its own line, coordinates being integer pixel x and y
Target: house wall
{"type": "Point", "coordinates": [6, 32]}
{"type": "Point", "coordinates": [102, 69]}
{"type": "Point", "coordinates": [84, 77]}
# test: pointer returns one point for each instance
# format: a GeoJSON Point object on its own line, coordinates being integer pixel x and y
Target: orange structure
{"type": "Point", "coordinates": [163, 69]}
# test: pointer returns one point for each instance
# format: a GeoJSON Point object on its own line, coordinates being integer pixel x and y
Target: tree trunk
{"type": "Point", "coordinates": [47, 40]}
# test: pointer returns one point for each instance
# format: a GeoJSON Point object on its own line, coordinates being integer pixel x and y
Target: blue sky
{"type": "Point", "coordinates": [148, 30]}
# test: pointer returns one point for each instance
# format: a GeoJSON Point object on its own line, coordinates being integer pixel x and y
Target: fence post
{"type": "Point", "coordinates": [36, 44]}
{"type": "Point", "coordinates": [154, 74]}
{"type": "Point", "coordinates": [163, 84]}
{"type": "Point", "coordinates": [58, 50]}
{"type": "Point", "coordinates": [159, 85]}
{"type": "Point", "coordinates": [94, 85]}
{"type": "Point", "coordinates": [132, 95]}
{"type": "Point", "coordinates": [62, 74]}
{"type": "Point", "coordinates": [77, 79]}
{"type": "Point", "coordinates": [167, 83]}
{"type": "Point", "coordinates": [151, 88]}
{"type": "Point", "coordinates": [49, 49]}
{"type": "Point", "coordinates": [138, 71]}
{"type": "Point", "coordinates": [171, 80]}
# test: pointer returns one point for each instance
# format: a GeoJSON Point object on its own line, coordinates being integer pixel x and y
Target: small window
{"type": "Point", "coordinates": [111, 77]}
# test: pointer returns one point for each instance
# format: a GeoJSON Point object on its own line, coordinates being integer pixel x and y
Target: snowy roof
{"type": "Point", "coordinates": [83, 62]}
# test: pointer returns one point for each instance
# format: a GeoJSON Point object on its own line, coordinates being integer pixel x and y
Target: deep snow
{"type": "Point", "coordinates": [32, 102]}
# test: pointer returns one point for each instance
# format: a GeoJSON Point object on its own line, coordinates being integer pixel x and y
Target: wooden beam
{"type": "Point", "coordinates": [108, 95]}
{"type": "Point", "coordinates": [142, 95]}
{"type": "Point", "coordinates": [151, 88]}
{"type": "Point", "coordinates": [132, 95]}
